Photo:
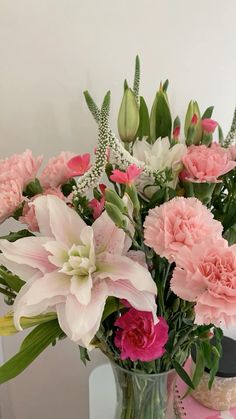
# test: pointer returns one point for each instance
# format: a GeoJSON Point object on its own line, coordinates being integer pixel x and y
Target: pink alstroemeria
{"type": "Point", "coordinates": [127, 178]}
{"type": "Point", "coordinates": [72, 268]}
{"type": "Point", "coordinates": [209, 125]}
{"type": "Point", "coordinates": [79, 164]}
{"type": "Point", "coordinates": [97, 205]}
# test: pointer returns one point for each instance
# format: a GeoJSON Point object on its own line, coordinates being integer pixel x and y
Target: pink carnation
{"type": "Point", "coordinates": [209, 125]}
{"type": "Point", "coordinates": [21, 166]}
{"type": "Point", "coordinates": [138, 338]}
{"type": "Point", "coordinates": [56, 172]}
{"type": "Point", "coordinates": [177, 223]}
{"type": "Point", "coordinates": [28, 215]}
{"type": "Point", "coordinates": [232, 152]}
{"type": "Point", "coordinates": [206, 164]}
{"type": "Point", "coordinates": [10, 197]}
{"type": "Point", "coordinates": [206, 275]}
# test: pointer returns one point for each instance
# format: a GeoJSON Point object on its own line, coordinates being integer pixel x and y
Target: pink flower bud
{"type": "Point", "coordinates": [209, 125]}
{"type": "Point", "coordinates": [176, 132]}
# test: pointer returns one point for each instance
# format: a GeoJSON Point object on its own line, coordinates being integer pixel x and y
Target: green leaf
{"type": "Point", "coordinates": [16, 235]}
{"type": "Point", "coordinates": [144, 123]}
{"type": "Point", "coordinates": [208, 112]}
{"type": "Point", "coordinates": [112, 305]}
{"type": "Point", "coordinates": [199, 368]}
{"type": "Point", "coordinates": [13, 281]}
{"type": "Point", "coordinates": [220, 135]}
{"type": "Point", "coordinates": [84, 355]}
{"type": "Point", "coordinates": [165, 85]}
{"type": "Point", "coordinates": [33, 188]}
{"type": "Point", "coordinates": [182, 373]}
{"type": "Point", "coordinates": [35, 343]}
{"type": "Point", "coordinates": [67, 187]}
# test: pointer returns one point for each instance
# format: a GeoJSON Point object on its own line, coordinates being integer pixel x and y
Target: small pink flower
{"type": "Point", "coordinates": [128, 177]}
{"type": "Point", "coordinates": [56, 172]}
{"type": "Point", "coordinates": [28, 216]}
{"type": "Point", "coordinates": [79, 165]}
{"type": "Point", "coordinates": [194, 119]}
{"type": "Point", "coordinates": [206, 164]}
{"type": "Point", "coordinates": [97, 205]}
{"type": "Point", "coordinates": [180, 222]}
{"type": "Point", "coordinates": [206, 275]}
{"type": "Point", "coordinates": [138, 338]}
{"type": "Point", "coordinates": [176, 132]}
{"type": "Point", "coordinates": [21, 166]}
{"type": "Point", "coordinates": [10, 197]}
{"type": "Point", "coordinates": [209, 125]}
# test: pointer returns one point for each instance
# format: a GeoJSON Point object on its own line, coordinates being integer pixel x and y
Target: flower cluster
{"type": "Point", "coordinates": [141, 266]}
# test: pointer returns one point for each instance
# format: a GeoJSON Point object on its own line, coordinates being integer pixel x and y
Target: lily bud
{"type": "Point", "coordinates": [128, 118]}
{"type": "Point", "coordinates": [115, 214]}
{"type": "Point", "coordinates": [160, 118]}
{"type": "Point", "coordinates": [113, 198]}
{"type": "Point", "coordinates": [192, 125]}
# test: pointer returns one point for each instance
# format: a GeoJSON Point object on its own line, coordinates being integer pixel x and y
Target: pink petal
{"type": "Point", "coordinates": [81, 288]}
{"type": "Point", "coordinates": [28, 251]}
{"type": "Point", "coordinates": [144, 301]}
{"type": "Point", "coordinates": [79, 164]}
{"type": "Point", "coordinates": [81, 322]}
{"type": "Point", "coordinates": [107, 236]}
{"type": "Point", "coordinates": [118, 267]}
{"type": "Point", "coordinates": [65, 224]}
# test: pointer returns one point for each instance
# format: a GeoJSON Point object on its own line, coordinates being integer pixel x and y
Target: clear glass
{"type": "Point", "coordinates": [144, 396]}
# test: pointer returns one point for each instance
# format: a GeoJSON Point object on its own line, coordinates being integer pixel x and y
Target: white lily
{"type": "Point", "coordinates": [72, 268]}
{"type": "Point", "coordinates": [159, 156]}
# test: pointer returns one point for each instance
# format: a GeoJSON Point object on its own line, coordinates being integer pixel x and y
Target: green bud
{"type": "Point", "coordinates": [193, 109]}
{"type": "Point", "coordinates": [160, 118]}
{"type": "Point", "coordinates": [113, 198]}
{"type": "Point", "coordinates": [132, 192]}
{"type": "Point", "coordinates": [115, 214]}
{"type": "Point", "coordinates": [175, 305]}
{"type": "Point", "coordinates": [128, 118]}
{"type": "Point", "coordinates": [203, 190]}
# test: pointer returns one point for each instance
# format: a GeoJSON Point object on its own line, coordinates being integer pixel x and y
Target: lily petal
{"type": "Point", "coordinates": [121, 267]}
{"type": "Point", "coordinates": [81, 322]}
{"type": "Point", "coordinates": [65, 224]}
{"type": "Point", "coordinates": [28, 251]}
{"type": "Point", "coordinates": [107, 236]}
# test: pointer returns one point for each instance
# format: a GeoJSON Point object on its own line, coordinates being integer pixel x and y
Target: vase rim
{"type": "Point", "coordinates": [140, 372]}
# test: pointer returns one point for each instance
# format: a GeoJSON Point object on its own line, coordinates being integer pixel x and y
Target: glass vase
{"type": "Point", "coordinates": [144, 396]}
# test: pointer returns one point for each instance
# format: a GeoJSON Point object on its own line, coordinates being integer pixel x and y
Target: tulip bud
{"type": "Point", "coordinates": [128, 118]}
{"type": "Point", "coordinates": [113, 198]}
{"type": "Point", "coordinates": [115, 214]}
{"type": "Point", "coordinates": [192, 125]}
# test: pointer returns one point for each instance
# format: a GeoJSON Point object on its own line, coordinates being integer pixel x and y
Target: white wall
{"type": "Point", "coordinates": [52, 50]}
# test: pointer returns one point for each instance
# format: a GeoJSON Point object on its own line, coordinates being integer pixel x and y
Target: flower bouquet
{"type": "Point", "coordinates": [141, 266]}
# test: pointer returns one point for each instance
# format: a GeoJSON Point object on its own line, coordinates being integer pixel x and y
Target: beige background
{"type": "Point", "coordinates": [52, 50]}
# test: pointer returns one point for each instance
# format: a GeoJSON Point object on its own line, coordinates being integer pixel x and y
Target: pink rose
{"type": "Point", "coordinates": [209, 125]}
{"type": "Point", "coordinates": [206, 274]}
{"type": "Point", "coordinates": [138, 338]}
{"type": "Point", "coordinates": [56, 172]}
{"type": "Point", "coordinates": [21, 166]}
{"type": "Point", "coordinates": [28, 216]}
{"type": "Point", "coordinates": [206, 164]}
{"type": "Point", "coordinates": [177, 223]}
{"type": "Point", "coordinates": [10, 197]}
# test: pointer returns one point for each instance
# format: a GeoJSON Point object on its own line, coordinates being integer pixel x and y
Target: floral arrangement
{"type": "Point", "coordinates": [143, 269]}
